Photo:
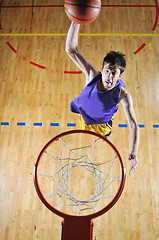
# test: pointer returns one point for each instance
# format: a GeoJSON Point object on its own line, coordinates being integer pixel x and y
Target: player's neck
{"type": "Point", "coordinates": [100, 87]}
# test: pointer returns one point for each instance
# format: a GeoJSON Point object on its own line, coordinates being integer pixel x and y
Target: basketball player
{"type": "Point", "coordinates": [99, 100]}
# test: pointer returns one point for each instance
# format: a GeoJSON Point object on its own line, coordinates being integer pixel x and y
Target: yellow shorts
{"type": "Point", "coordinates": [102, 129]}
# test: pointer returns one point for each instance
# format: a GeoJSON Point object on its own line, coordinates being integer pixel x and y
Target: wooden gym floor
{"type": "Point", "coordinates": [38, 82]}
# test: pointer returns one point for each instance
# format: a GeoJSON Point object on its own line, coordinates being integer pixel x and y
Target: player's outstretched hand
{"type": "Point", "coordinates": [133, 161]}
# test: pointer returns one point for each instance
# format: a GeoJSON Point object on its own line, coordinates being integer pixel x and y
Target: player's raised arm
{"type": "Point", "coordinates": [74, 53]}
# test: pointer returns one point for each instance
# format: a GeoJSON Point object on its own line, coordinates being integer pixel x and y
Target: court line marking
{"type": "Point", "coordinates": [140, 48]}
{"type": "Point", "coordinates": [141, 125]}
{"type": "Point", "coordinates": [155, 126]}
{"type": "Point", "coordinates": [71, 124]}
{"type": "Point", "coordinates": [121, 125]}
{"type": "Point", "coordinates": [4, 123]}
{"type": "Point", "coordinates": [37, 124]}
{"type": "Point", "coordinates": [157, 15]}
{"type": "Point", "coordinates": [80, 34]}
{"type": "Point", "coordinates": [61, 5]}
{"type": "Point", "coordinates": [103, 5]}
{"type": "Point", "coordinates": [66, 72]}
{"type": "Point", "coordinates": [56, 124]}
{"type": "Point", "coordinates": [37, 65]}
{"type": "Point", "coordinates": [41, 66]}
{"type": "Point", "coordinates": [73, 72]}
{"type": "Point", "coordinates": [11, 47]}
{"type": "Point", "coordinates": [21, 123]}
{"type": "Point", "coordinates": [149, 46]}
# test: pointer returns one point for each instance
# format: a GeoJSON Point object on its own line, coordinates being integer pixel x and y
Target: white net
{"type": "Point", "coordinates": [79, 180]}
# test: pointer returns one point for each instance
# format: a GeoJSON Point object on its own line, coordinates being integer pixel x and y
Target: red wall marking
{"type": "Point", "coordinates": [37, 65]}
{"type": "Point", "coordinates": [11, 47]}
{"type": "Point", "coordinates": [73, 72]}
{"type": "Point", "coordinates": [140, 48]}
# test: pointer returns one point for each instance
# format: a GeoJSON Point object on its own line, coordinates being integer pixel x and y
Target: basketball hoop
{"type": "Point", "coordinates": [79, 175]}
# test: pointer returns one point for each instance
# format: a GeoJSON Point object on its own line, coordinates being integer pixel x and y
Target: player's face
{"type": "Point", "coordinates": [110, 76]}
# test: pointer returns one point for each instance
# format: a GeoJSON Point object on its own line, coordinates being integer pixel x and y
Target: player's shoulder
{"type": "Point", "coordinates": [124, 95]}
{"type": "Point", "coordinates": [92, 74]}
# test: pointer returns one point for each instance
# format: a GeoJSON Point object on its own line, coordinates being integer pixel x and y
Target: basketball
{"type": "Point", "coordinates": [82, 11]}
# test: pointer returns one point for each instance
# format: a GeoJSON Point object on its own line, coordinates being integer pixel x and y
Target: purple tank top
{"type": "Point", "coordinates": [94, 106]}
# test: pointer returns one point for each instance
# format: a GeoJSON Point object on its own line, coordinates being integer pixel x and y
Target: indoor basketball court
{"type": "Point", "coordinates": [38, 82]}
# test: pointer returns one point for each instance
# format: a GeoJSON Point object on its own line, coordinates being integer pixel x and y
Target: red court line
{"type": "Point", "coordinates": [140, 48]}
{"type": "Point", "coordinates": [128, 5]}
{"type": "Point", "coordinates": [1, 2]}
{"type": "Point", "coordinates": [73, 72]}
{"type": "Point", "coordinates": [31, 6]}
{"type": "Point", "coordinates": [11, 47]}
{"type": "Point", "coordinates": [157, 15]}
{"type": "Point", "coordinates": [39, 6]}
{"type": "Point", "coordinates": [37, 65]}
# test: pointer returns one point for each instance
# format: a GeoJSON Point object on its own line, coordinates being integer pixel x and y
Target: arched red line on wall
{"type": "Point", "coordinates": [157, 15]}
{"type": "Point", "coordinates": [140, 48]}
{"type": "Point", "coordinates": [11, 47]}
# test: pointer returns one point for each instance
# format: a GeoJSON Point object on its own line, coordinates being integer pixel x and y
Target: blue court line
{"type": "Point", "coordinates": [5, 123]}
{"type": "Point", "coordinates": [37, 124]}
{"type": "Point", "coordinates": [71, 124]}
{"type": "Point", "coordinates": [54, 124]}
{"type": "Point", "coordinates": [125, 125]}
{"type": "Point", "coordinates": [155, 126]}
{"type": "Point", "coordinates": [141, 125]}
{"type": "Point", "coordinates": [20, 123]}
{"type": "Point", "coordinates": [122, 125]}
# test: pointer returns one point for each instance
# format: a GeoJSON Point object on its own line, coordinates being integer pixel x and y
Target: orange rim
{"type": "Point", "coordinates": [91, 216]}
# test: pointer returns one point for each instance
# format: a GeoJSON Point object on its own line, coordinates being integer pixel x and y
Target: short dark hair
{"type": "Point", "coordinates": [115, 59]}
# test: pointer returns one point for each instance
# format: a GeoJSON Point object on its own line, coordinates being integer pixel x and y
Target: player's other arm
{"type": "Point", "coordinates": [127, 103]}
{"type": "Point", "coordinates": [74, 53]}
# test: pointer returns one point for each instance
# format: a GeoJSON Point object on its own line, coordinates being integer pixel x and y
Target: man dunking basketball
{"type": "Point", "coordinates": [99, 100]}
